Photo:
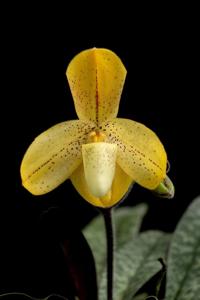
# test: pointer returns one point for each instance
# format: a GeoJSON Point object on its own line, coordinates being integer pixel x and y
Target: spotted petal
{"type": "Point", "coordinates": [96, 78]}
{"type": "Point", "coordinates": [53, 156]}
{"type": "Point", "coordinates": [120, 186]}
{"type": "Point", "coordinates": [140, 153]}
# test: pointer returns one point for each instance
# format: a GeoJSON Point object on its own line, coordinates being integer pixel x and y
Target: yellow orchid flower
{"type": "Point", "coordinates": [101, 154]}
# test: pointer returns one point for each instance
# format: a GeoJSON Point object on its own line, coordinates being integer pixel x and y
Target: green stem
{"type": "Point", "coordinates": [107, 213]}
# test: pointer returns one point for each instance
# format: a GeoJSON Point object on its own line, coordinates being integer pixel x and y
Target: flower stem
{"type": "Point", "coordinates": [107, 214]}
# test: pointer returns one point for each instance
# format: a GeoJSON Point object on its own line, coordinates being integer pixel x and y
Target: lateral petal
{"type": "Point", "coordinates": [140, 153]}
{"type": "Point", "coordinates": [53, 156]}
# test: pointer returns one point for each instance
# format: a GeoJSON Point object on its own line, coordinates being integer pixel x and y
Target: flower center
{"type": "Point", "coordinates": [96, 136]}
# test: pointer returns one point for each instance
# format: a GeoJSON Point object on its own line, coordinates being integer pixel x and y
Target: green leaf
{"type": "Point", "coordinates": [183, 275]}
{"type": "Point", "coordinates": [127, 224]}
{"type": "Point", "coordinates": [135, 263]}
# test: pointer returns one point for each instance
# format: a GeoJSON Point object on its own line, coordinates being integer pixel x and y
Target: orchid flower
{"type": "Point", "coordinates": [102, 155]}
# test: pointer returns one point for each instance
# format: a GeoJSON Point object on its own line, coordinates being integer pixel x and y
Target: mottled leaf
{"type": "Point", "coordinates": [127, 224]}
{"type": "Point", "coordinates": [135, 263]}
{"type": "Point", "coordinates": [183, 275]}
{"type": "Point", "coordinates": [149, 265]}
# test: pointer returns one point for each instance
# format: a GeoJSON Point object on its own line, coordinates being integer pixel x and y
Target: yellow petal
{"type": "Point", "coordinates": [53, 156]}
{"type": "Point", "coordinates": [99, 161]}
{"type": "Point", "coordinates": [120, 186]}
{"type": "Point", "coordinates": [140, 153]}
{"type": "Point", "coordinates": [96, 78]}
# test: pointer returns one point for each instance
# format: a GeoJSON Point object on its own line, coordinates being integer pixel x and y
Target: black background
{"type": "Point", "coordinates": [161, 91]}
